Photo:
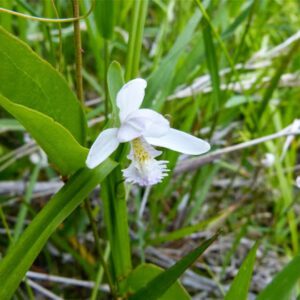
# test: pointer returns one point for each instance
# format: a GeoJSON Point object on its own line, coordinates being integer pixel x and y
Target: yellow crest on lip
{"type": "Point", "coordinates": [140, 153]}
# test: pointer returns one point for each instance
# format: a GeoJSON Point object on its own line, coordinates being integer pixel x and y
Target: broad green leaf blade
{"type": "Point", "coordinates": [144, 273]}
{"type": "Point", "coordinates": [284, 282]}
{"type": "Point", "coordinates": [115, 81]}
{"type": "Point", "coordinates": [62, 148]}
{"type": "Point", "coordinates": [240, 285]}
{"type": "Point", "coordinates": [28, 80]}
{"type": "Point", "coordinates": [161, 283]}
{"type": "Point", "coordinates": [104, 17]}
{"type": "Point", "coordinates": [22, 254]}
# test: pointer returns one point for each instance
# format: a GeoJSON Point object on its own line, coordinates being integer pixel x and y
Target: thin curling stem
{"type": "Point", "coordinates": [47, 20]}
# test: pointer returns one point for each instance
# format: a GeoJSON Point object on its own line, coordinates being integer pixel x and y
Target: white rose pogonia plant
{"type": "Point", "coordinates": [142, 128]}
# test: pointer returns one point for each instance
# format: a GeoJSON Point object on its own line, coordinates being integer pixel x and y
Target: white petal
{"type": "Point", "coordinates": [144, 169]}
{"type": "Point", "coordinates": [154, 124]}
{"type": "Point", "coordinates": [105, 144]}
{"type": "Point", "coordinates": [127, 132]}
{"type": "Point", "coordinates": [180, 141]}
{"type": "Point", "coordinates": [131, 96]}
{"type": "Point", "coordinates": [149, 173]}
{"type": "Point", "coordinates": [143, 122]}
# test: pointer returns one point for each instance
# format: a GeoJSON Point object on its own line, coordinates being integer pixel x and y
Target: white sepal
{"type": "Point", "coordinates": [130, 97]}
{"type": "Point", "coordinates": [105, 144]}
{"type": "Point", "coordinates": [180, 141]}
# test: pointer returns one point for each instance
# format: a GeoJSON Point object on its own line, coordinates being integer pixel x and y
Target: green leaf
{"type": "Point", "coordinates": [238, 21]}
{"type": "Point", "coordinates": [212, 64]}
{"type": "Point", "coordinates": [115, 81]}
{"type": "Point", "coordinates": [23, 253]}
{"type": "Point", "coordinates": [104, 17]}
{"type": "Point", "coordinates": [162, 282]}
{"type": "Point", "coordinates": [144, 273]}
{"type": "Point", "coordinates": [28, 80]}
{"type": "Point", "coordinates": [62, 148]}
{"type": "Point", "coordinates": [138, 19]}
{"type": "Point", "coordinates": [240, 285]}
{"type": "Point", "coordinates": [285, 61]}
{"type": "Point", "coordinates": [284, 282]}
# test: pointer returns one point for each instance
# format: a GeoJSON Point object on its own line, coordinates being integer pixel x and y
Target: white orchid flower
{"type": "Point", "coordinates": [143, 128]}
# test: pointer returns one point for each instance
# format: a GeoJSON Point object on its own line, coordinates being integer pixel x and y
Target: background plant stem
{"type": "Point", "coordinates": [78, 49]}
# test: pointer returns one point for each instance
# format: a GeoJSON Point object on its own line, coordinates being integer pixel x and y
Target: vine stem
{"type": "Point", "coordinates": [47, 20]}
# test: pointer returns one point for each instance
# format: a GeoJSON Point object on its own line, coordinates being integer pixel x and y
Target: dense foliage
{"type": "Point", "coordinates": [227, 221]}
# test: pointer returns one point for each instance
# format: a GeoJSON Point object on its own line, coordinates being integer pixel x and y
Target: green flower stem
{"type": "Point", "coordinates": [135, 39]}
{"type": "Point", "coordinates": [106, 57]}
{"type": "Point", "coordinates": [116, 219]}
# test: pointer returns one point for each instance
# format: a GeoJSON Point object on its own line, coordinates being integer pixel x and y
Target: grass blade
{"type": "Point", "coordinates": [240, 285]}
{"type": "Point", "coordinates": [282, 285]}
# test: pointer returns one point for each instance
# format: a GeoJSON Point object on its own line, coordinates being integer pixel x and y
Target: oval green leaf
{"type": "Point", "coordinates": [62, 148]}
{"type": "Point", "coordinates": [144, 273]}
{"type": "Point", "coordinates": [159, 285]}
{"type": "Point", "coordinates": [28, 80]}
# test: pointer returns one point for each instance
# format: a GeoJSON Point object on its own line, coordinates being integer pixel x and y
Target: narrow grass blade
{"type": "Point", "coordinates": [21, 256]}
{"type": "Point", "coordinates": [212, 63]}
{"type": "Point", "coordinates": [161, 283]}
{"type": "Point", "coordinates": [282, 285]}
{"type": "Point", "coordinates": [135, 39]}
{"type": "Point", "coordinates": [240, 285]}
{"type": "Point", "coordinates": [159, 81]}
{"type": "Point", "coordinates": [27, 198]}
{"type": "Point", "coordinates": [275, 81]}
